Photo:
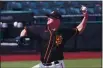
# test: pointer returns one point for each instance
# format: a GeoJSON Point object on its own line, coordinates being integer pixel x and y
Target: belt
{"type": "Point", "coordinates": [49, 64]}
{"type": "Point", "coordinates": [56, 62]}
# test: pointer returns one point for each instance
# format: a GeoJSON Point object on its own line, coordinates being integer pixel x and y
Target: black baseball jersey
{"type": "Point", "coordinates": [52, 43]}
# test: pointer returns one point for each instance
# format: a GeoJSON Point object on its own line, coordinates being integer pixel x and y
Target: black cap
{"type": "Point", "coordinates": [54, 14]}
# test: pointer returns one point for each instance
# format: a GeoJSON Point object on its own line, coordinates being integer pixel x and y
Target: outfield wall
{"type": "Point", "coordinates": [89, 40]}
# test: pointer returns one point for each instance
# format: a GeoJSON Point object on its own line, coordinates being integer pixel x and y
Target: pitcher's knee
{"type": "Point", "coordinates": [36, 66]}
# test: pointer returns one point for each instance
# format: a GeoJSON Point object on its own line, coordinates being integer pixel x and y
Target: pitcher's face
{"type": "Point", "coordinates": [53, 23]}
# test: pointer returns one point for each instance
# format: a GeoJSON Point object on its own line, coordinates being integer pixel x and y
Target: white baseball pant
{"type": "Point", "coordinates": [59, 65]}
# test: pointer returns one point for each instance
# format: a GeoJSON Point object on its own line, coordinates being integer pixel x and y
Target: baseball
{"type": "Point", "coordinates": [83, 8]}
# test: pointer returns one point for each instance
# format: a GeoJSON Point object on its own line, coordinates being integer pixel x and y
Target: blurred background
{"type": "Point", "coordinates": [15, 15]}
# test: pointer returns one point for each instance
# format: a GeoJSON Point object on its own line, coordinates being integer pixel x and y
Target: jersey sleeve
{"type": "Point", "coordinates": [69, 33]}
{"type": "Point", "coordinates": [30, 31]}
{"type": "Point", "coordinates": [74, 32]}
{"type": "Point", "coordinates": [34, 31]}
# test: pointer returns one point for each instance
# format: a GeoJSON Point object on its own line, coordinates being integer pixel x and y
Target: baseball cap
{"type": "Point", "coordinates": [54, 14]}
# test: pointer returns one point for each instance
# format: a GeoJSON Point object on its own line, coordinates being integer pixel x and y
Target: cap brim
{"type": "Point", "coordinates": [53, 16]}
{"type": "Point", "coordinates": [49, 15]}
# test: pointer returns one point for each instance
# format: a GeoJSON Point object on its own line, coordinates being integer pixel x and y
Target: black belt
{"type": "Point", "coordinates": [56, 62]}
{"type": "Point", "coordinates": [48, 64]}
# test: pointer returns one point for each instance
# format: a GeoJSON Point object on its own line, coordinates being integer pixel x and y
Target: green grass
{"type": "Point", "coordinates": [79, 63]}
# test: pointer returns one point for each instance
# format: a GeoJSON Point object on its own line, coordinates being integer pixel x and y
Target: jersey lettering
{"type": "Point", "coordinates": [59, 39]}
